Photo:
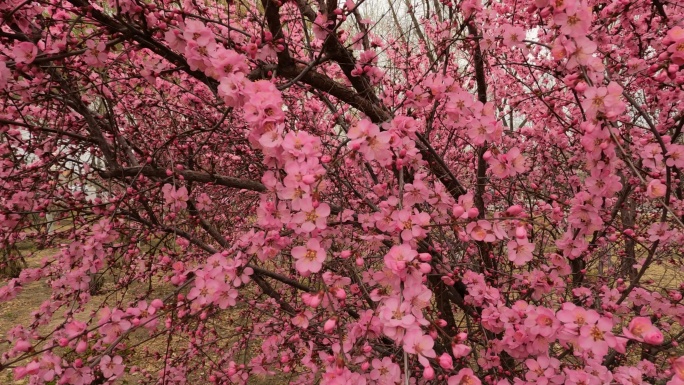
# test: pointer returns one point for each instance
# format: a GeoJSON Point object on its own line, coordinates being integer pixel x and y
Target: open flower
{"type": "Point", "coordinates": [309, 258]}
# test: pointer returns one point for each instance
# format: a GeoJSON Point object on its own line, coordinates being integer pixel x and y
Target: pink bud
{"type": "Point", "coordinates": [514, 210]}
{"type": "Point", "coordinates": [653, 336]}
{"type": "Point", "coordinates": [23, 346]}
{"type": "Point", "coordinates": [458, 210]}
{"type": "Point", "coordinates": [487, 155]}
{"type": "Point", "coordinates": [473, 212]}
{"type": "Point", "coordinates": [330, 325]}
{"type": "Point", "coordinates": [365, 366]}
{"type": "Point", "coordinates": [428, 373]}
{"type": "Point", "coordinates": [308, 179]}
{"type": "Point", "coordinates": [340, 293]}
{"type": "Point", "coordinates": [425, 268]}
{"type": "Point", "coordinates": [367, 348]}
{"type": "Point", "coordinates": [81, 347]}
{"type": "Point", "coordinates": [460, 350]}
{"type": "Point", "coordinates": [345, 254]}
{"type": "Point", "coordinates": [520, 232]}
{"type": "Point", "coordinates": [445, 362]}
{"type": "Point", "coordinates": [425, 257]}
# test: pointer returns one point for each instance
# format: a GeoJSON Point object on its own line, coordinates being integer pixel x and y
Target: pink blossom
{"type": "Point", "coordinates": [309, 258]}
{"type": "Point", "coordinates": [111, 367]}
{"type": "Point", "coordinates": [574, 22]}
{"type": "Point", "coordinates": [411, 225]}
{"type": "Point", "coordinates": [176, 198]}
{"type": "Point", "coordinates": [226, 62]}
{"type": "Point", "coordinates": [385, 371]}
{"type": "Point", "coordinates": [311, 218]}
{"type": "Point", "coordinates": [580, 51]}
{"type": "Point", "coordinates": [676, 49]}
{"type": "Point", "coordinates": [465, 376]}
{"type": "Point", "coordinates": [204, 290]}
{"type": "Point", "coordinates": [543, 370]}
{"type": "Point", "coordinates": [520, 251]}
{"type": "Point", "coordinates": [25, 52]}
{"type": "Point", "coordinates": [398, 258]}
{"type": "Point", "coordinates": [196, 31]}
{"type": "Point", "coordinates": [415, 342]}
{"type": "Point", "coordinates": [513, 36]}
{"type": "Point", "coordinates": [481, 231]}
{"type": "Point", "coordinates": [231, 89]}
{"type": "Point", "coordinates": [656, 189]}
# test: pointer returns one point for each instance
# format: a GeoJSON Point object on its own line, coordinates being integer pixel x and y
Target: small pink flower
{"type": "Point", "coordinates": [520, 251]}
{"type": "Point", "coordinates": [398, 258]}
{"type": "Point", "coordinates": [96, 54]}
{"type": "Point", "coordinates": [481, 231]}
{"type": "Point", "coordinates": [25, 52]}
{"type": "Point", "coordinates": [311, 218]}
{"type": "Point", "coordinates": [656, 189]}
{"type": "Point", "coordinates": [309, 258]}
{"type": "Point", "coordinates": [196, 31]}
{"type": "Point", "coordinates": [513, 36]}
{"type": "Point", "coordinates": [176, 198]}
{"type": "Point", "coordinates": [465, 376]}
{"type": "Point", "coordinates": [111, 367]}
{"type": "Point", "coordinates": [415, 342]}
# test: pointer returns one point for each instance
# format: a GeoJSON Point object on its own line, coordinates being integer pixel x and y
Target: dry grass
{"type": "Point", "coordinates": [18, 311]}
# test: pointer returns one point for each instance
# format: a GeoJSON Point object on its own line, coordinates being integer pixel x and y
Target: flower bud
{"type": "Point", "coordinates": [428, 373]}
{"type": "Point", "coordinates": [330, 325]}
{"type": "Point", "coordinates": [445, 362]}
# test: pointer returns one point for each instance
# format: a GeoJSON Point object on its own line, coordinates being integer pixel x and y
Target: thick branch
{"type": "Point", "coordinates": [189, 175]}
